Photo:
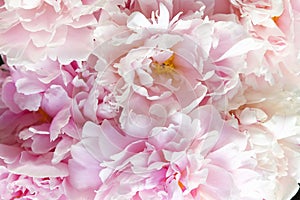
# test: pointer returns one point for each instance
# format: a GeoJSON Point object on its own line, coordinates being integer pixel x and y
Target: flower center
{"type": "Point", "coordinates": [177, 178]}
{"type": "Point", "coordinates": [182, 187]}
{"type": "Point", "coordinates": [275, 19]}
{"type": "Point", "coordinates": [44, 116]}
{"type": "Point", "coordinates": [167, 67]}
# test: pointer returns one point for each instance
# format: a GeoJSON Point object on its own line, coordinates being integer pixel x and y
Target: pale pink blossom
{"type": "Point", "coordinates": [273, 24]}
{"type": "Point", "coordinates": [36, 91]}
{"type": "Point", "coordinates": [38, 141]}
{"type": "Point", "coordinates": [36, 121]}
{"type": "Point", "coordinates": [288, 22]}
{"type": "Point", "coordinates": [214, 58]}
{"type": "Point", "coordinates": [152, 66]}
{"type": "Point", "coordinates": [273, 139]}
{"type": "Point", "coordinates": [90, 100]}
{"type": "Point", "coordinates": [33, 31]}
{"type": "Point", "coordinates": [44, 108]}
{"type": "Point", "coordinates": [268, 113]}
{"type": "Point", "coordinates": [15, 186]}
{"type": "Point", "coordinates": [133, 168]}
{"type": "Point", "coordinates": [259, 12]}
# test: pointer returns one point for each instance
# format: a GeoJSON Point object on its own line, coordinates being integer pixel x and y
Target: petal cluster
{"type": "Point", "coordinates": [136, 99]}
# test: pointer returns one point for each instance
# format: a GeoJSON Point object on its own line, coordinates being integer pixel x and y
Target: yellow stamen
{"type": "Point", "coordinates": [167, 67]}
{"type": "Point", "coordinates": [44, 116]}
{"type": "Point", "coordinates": [182, 187]}
{"type": "Point", "coordinates": [275, 19]}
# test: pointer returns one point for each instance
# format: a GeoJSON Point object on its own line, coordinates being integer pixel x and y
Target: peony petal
{"type": "Point", "coordinates": [28, 102]}
{"type": "Point", "coordinates": [39, 167]}
{"type": "Point", "coordinates": [82, 167]}
{"type": "Point", "coordinates": [9, 154]}
{"type": "Point", "coordinates": [241, 48]}
{"type": "Point", "coordinates": [58, 122]}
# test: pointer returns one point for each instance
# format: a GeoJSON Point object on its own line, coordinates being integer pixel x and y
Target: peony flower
{"type": "Point", "coordinates": [38, 30]}
{"type": "Point", "coordinates": [273, 140]}
{"type": "Point", "coordinates": [153, 66]}
{"type": "Point", "coordinates": [278, 52]}
{"type": "Point", "coordinates": [219, 71]}
{"type": "Point", "coordinates": [135, 168]}
{"type": "Point", "coordinates": [14, 186]}
{"type": "Point", "coordinates": [270, 91]}
{"type": "Point", "coordinates": [90, 100]}
{"type": "Point", "coordinates": [39, 134]}
{"type": "Point", "coordinates": [36, 120]}
{"type": "Point", "coordinates": [260, 12]}
{"type": "Point", "coordinates": [24, 85]}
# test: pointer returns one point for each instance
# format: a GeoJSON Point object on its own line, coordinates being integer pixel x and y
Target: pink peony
{"type": "Point", "coordinates": [273, 24]}
{"type": "Point", "coordinates": [150, 84]}
{"type": "Point", "coordinates": [38, 130]}
{"type": "Point", "coordinates": [214, 58]}
{"type": "Point", "coordinates": [272, 138]}
{"type": "Point", "coordinates": [135, 168]}
{"type": "Point", "coordinates": [259, 12]}
{"type": "Point", "coordinates": [33, 31]}
{"type": "Point", "coordinates": [90, 101]}
{"type": "Point", "coordinates": [14, 186]}
{"type": "Point", "coordinates": [38, 134]}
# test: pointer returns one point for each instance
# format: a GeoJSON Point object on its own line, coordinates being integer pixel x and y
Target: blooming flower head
{"type": "Point", "coordinates": [37, 131]}
{"type": "Point", "coordinates": [151, 68]}
{"type": "Point", "coordinates": [14, 186]}
{"type": "Point", "coordinates": [260, 12]}
{"type": "Point", "coordinates": [33, 31]}
{"type": "Point", "coordinates": [142, 168]}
